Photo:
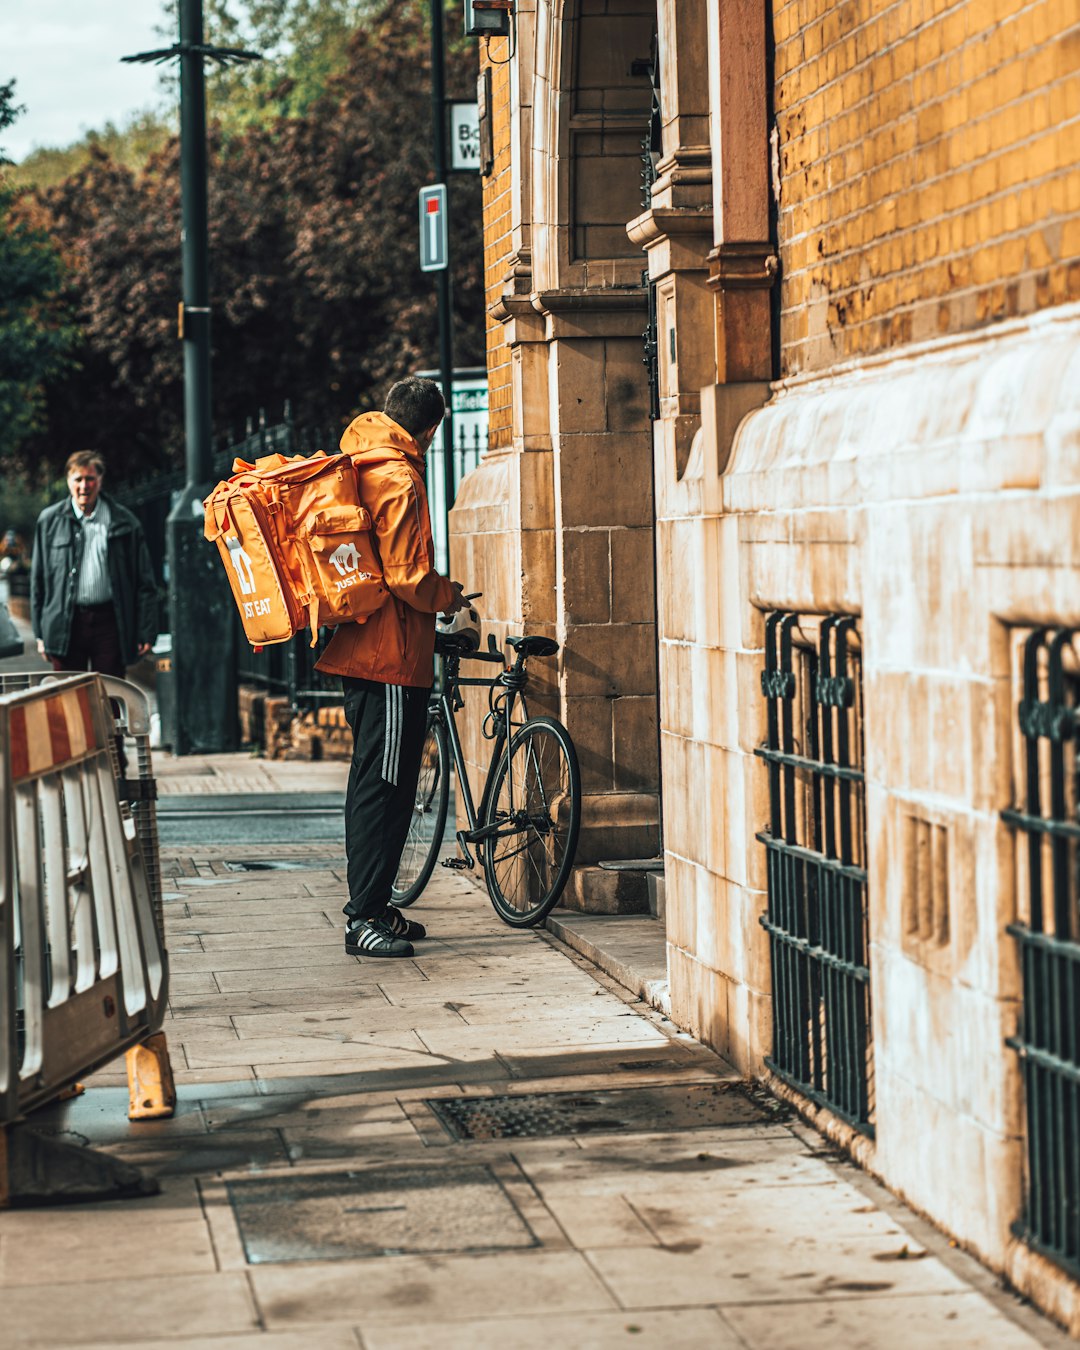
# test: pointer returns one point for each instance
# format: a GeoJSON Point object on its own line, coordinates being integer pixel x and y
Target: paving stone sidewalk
{"type": "Point", "coordinates": [313, 1197]}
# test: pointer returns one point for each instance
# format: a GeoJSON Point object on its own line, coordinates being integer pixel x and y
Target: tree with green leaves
{"type": "Point", "coordinates": [35, 336]}
{"type": "Point", "coordinates": [304, 45]}
{"type": "Point", "coordinates": [131, 144]}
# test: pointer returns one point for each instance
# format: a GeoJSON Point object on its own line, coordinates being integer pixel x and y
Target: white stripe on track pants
{"type": "Point", "coordinates": [388, 723]}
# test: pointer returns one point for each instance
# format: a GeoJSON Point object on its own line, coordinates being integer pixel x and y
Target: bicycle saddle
{"type": "Point", "coordinates": [533, 646]}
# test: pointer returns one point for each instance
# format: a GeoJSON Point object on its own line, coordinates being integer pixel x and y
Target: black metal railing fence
{"type": "Point", "coordinates": [1047, 826]}
{"type": "Point", "coordinates": [816, 865]}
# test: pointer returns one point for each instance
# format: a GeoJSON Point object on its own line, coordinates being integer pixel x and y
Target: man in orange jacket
{"type": "Point", "coordinates": [387, 663]}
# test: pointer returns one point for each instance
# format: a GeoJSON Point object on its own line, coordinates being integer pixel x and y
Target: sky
{"type": "Point", "coordinates": [65, 58]}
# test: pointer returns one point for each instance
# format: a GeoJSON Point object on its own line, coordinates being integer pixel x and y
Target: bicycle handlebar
{"type": "Point", "coordinates": [483, 656]}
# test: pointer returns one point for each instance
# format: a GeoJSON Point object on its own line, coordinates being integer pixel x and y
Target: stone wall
{"type": "Point", "coordinates": [930, 491]}
{"type": "Point", "coordinates": [935, 495]}
{"type": "Point", "coordinates": [498, 238]}
{"type": "Point", "coordinates": [555, 526]}
{"type": "Point", "coordinates": [505, 505]}
{"type": "Point", "coordinates": [904, 449]}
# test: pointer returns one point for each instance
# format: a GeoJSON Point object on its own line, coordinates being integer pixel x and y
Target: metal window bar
{"type": "Point", "coordinates": [816, 850]}
{"type": "Point", "coordinates": [652, 148]}
{"type": "Point", "coordinates": [1048, 1044]}
{"type": "Point", "coordinates": [650, 341]}
{"type": "Point", "coordinates": [470, 444]}
{"type": "Point", "coordinates": [652, 144]}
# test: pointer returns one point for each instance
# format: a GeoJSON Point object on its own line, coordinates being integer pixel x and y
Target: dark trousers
{"type": "Point", "coordinates": [388, 722]}
{"type": "Point", "coordinates": [94, 642]}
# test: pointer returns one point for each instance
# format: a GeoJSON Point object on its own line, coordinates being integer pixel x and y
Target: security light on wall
{"type": "Point", "coordinates": [488, 18]}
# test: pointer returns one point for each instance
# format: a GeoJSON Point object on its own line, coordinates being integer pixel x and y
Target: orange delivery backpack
{"type": "Point", "coordinates": [296, 544]}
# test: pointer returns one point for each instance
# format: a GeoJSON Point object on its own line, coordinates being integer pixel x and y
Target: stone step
{"type": "Point", "coordinates": [630, 948]}
{"type": "Point", "coordinates": [655, 882]}
{"type": "Point", "coordinates": [617, 886]}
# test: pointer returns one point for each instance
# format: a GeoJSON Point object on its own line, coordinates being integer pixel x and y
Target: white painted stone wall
{"type": "Point", "coordinates": [936, 494]}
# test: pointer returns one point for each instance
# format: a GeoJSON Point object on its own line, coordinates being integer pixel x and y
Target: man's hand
{"type": "Point", "coordinates": [40, 647]}
{"type": "Point", "coordinates": [458, 601]}
{"type": "Point", "coordinates": [144, 647]}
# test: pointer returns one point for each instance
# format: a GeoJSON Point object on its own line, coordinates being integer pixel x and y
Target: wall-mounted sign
{"type": "Point", "coordinates": [483, 108]}
{"type": "Point", "coordinates": [465, 137]}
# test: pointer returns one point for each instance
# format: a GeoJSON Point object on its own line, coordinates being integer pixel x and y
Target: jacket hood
{"type": "Point", "coordinates": [374, 438]}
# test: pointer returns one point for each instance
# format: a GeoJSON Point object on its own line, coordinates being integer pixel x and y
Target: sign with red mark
{"type": "Point", "coordinates": [434, 250]}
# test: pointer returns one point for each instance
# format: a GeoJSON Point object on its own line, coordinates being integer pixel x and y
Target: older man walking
{"type": "Point", "coordinates": [93, 598]}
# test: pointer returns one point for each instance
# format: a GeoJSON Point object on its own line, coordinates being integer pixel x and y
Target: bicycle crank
{"type": "Point", "coordinates": [465, 863]}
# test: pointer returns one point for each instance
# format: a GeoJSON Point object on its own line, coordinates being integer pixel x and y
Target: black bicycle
{"type": "Point", "coordinates": [526, 829]}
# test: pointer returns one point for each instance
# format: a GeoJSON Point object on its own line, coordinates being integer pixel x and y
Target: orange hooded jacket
{"type": "Point", "coordinates": [396, 645]}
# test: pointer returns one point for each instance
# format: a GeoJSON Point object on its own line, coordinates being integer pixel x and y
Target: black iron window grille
{"type": "Point", "coordinates": [652, 144]}
{"type": "Point", "coordinates": [650, 340]}
{"type": "Point", "coordinates": [651, 150]}
{"type": "Point", "coordinates": [816, 853]}
{"type": "Point", "coordinates": [1048, 1043]}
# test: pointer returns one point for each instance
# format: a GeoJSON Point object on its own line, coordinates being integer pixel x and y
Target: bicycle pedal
{"type": "Point", "coordinates": [457, 864]}
{"type": "Point", "coordinates": [463, 845]}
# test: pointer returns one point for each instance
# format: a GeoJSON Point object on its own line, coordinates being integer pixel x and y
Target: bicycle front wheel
{"type": "Point", "coordinates": [535, 810]}
{"type": "Point", "coordinates": [428, 820]}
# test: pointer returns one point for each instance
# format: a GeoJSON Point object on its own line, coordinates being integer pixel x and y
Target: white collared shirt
{"type": "Point", "coordinates": [93, 586]}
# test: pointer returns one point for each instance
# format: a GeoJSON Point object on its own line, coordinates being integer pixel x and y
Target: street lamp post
{"type": "Point", "coordinates": [200, 606]}
{"type": "Point", "coordinates": [195, 246]}
{"type": "Point", "coordinates": [443, 282]}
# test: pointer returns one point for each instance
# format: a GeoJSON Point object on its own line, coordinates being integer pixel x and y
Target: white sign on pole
{"type": "Point", "coordinates": [433, 231]}
{"type": "Point", "coordinates": [465, 137]}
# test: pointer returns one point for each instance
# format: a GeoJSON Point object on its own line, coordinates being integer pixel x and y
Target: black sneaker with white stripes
{"type": "Point", "coordinates": [375, 937]}
{"type": "Point", "coordinates": [402, 927]}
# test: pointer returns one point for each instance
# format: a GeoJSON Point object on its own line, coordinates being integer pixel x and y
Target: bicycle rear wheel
{"type": "Point", "coordinates": [428, 821]}
{"type": "Point", "coordinates": [536, 808]}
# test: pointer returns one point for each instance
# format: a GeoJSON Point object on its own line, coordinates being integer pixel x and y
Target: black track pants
{"type": "Point", "coordinates": [388, 723]}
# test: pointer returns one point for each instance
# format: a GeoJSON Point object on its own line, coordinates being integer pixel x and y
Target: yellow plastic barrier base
{"type": "Point", "coordinates": [152, 1092]}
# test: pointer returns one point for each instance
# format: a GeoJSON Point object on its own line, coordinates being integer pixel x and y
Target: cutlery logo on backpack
{"type": "Point", "coordinates": [346, 560]}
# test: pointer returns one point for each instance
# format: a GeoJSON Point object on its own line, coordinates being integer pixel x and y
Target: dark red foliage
{"type": "Point", "coordinates": [316, 287]}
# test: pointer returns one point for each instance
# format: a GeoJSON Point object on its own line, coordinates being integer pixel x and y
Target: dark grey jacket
{"type": "Point", "coordinates": [54, 571]}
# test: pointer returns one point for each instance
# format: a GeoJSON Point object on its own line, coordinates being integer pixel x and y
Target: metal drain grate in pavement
{"type": "Point", "coordinates": [387, 1211]}
{"type": "Point", "coordinates": [643, 1110]}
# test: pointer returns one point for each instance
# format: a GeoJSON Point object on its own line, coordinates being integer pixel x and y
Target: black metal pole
{"type": "Point", "coordinates": [202, 620]}
{"type": "Point", "coordinates": [201, 615]}
{"type": "Point", "coordinates": [195, 245]}
{"type": "Point", "coordinates": [443, 280]}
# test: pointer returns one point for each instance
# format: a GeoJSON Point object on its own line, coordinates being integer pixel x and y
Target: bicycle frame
{"type": "Point", "coordinates": [445, 706]}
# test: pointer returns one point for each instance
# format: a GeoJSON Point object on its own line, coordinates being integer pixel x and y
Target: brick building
{"type": "Point", "coordinates": [851, 460]}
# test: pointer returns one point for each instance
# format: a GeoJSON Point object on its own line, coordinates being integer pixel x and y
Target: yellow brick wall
{"type": "Point", "coordinates": [929, 166]}
{"type": "Point", "coordinates": [497, 248]}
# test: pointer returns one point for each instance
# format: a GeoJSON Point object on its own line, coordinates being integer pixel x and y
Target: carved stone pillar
{"type": "Point", "coordinates": [602, 466]}
{"type": "Point", "coordinates": [742, 263]}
